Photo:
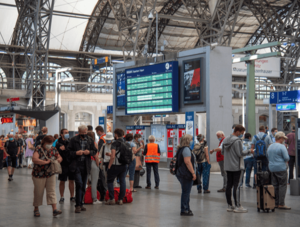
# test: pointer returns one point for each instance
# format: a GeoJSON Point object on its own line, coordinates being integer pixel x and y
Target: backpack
{"type": "Point", "coordinates": [7, 142]}
{"type": "Point", "coordinates": [260, 147]}
{"type": "Point", "coordinates": [125, 151]}
{"type": "Point", "coordinates": [199, 153]}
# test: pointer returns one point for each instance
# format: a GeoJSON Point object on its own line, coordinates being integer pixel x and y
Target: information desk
{"type": "Point", "coordinates": [152, 89]}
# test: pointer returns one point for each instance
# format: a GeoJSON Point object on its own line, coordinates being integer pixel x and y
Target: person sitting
{"type": "Point", "coordinates": [278, 158]}
{"type": "Point", "coordinates": [201, 152]}
{"type": "Point", "coordinates": [42, 178]}
{"type": "Point", "coordinates": [152, 157]}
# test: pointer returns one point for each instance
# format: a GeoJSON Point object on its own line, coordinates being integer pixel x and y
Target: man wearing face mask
{"type": "Point", "coordinates": [273, 133]}
{"type": "Point", "coordinates": [220, 159]}
{"type": "Point", "coordinates": [232, 149]}
{"type": "Point", "coordinates": [61, 145]}
{"type": "Point", "coordinates": [80, 149]}
{"type": "Point", "coordinates": [12, 150]}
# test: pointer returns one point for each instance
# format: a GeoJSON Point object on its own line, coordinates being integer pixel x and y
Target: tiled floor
{"type": "Point", "coordinates": [149, 208]}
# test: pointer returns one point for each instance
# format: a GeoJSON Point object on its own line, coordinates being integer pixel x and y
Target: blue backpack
{"type": "Point", "coordinates": [260, 147]}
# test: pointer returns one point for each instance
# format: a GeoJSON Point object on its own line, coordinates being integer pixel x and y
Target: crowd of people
{"type": "Point", "coordinates": [85, 162]}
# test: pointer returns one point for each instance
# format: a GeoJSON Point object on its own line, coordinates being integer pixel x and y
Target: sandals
{"type": "Point", "coordinates": [36, 213]}
{"type": "Point", "coordinates": [133, 190]}
{"type": "Point", "coordinates": [56, 212]}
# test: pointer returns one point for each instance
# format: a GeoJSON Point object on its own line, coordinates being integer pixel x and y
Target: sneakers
{"type": "Point", "coordinates": [187, 213]}
{"type": "Point", "coordinates": [222, 190]}
{"type": "Point", "coordinates": [248, 186]}
{"type": "Point", "coordinates": [230, 208]}
{"type": "Point", "coordinates": [110, 202]}
{"type": "Point", "coordinates": [61, 201]}
{"type": "Point", "coordinates": [148, 187]}
{"type": "Point", "coordinates": [156, 187]}
{"type": "Point", "coordinates": [206, 191]}
{"type": "Point", "coordinates": [77, 209]}
{"type": "Point", "coordinates": [82, 208]}
{"type": "Point", "coordinates": [199, 191]}
{"type": "Point", "coordinates": [97, 202]}
{"type": "Point", "coordinates": [240, 210]}
{"type": "Point", "coordinates": [10, 178]}
{"type": "Point", "coordinates": [72, 199]}
{"type": "Point", "coordinates": [120, 202]}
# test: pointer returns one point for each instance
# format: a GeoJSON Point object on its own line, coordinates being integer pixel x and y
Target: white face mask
{"type": "Point", "coordinates": [48, 146]}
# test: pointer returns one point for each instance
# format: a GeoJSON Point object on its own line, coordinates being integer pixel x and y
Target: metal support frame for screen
{"type": "Point", "coordinates": [200, 101]}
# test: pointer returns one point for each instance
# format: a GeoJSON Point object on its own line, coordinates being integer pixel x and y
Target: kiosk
{"type": "Point", "coordinates": [172, 138]}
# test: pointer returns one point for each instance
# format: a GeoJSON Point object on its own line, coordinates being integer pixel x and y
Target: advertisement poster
{"type": "Point", "coordinates": [159, 132]}
{"type": "Point", "coordinates": [121, 90]}
{"type": "Point", "coordinates": [191, 79]}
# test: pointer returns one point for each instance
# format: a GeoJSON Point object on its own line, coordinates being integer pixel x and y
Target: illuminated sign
{"type": "Point", "coordinates": [286, 107]}
{"type": "Point", "coordinates": [5, 120]}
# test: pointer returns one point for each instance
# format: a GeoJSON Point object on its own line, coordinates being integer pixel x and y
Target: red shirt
{"type": "Point", "coordinates": [219, 155]}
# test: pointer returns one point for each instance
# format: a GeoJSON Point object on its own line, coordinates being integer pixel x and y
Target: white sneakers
{"type": "Point", "coordinates": [240, 210]}
{"type": "Point", "coordinates": [97, 202]}
{"type": "Point", "coordinates": [230, 208]}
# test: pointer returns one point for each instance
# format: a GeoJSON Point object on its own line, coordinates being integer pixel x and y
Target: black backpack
{"type": "Point", "coordinates": [125, 151]}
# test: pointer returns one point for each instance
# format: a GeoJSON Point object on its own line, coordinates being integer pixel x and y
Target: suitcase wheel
{"type": "Point", "coordinates": [273, 210]}
{"type": "Point", "coordinates": [258, 210]}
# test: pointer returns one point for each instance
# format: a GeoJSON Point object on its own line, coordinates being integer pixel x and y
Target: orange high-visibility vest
{"type": "Point", "coordinates": [152, 155]}
{"type": "Point", "coordinates": [102, 138]}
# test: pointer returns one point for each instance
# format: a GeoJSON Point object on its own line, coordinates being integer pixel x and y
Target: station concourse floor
{"type": "Point", "coordinates": [149, 208]}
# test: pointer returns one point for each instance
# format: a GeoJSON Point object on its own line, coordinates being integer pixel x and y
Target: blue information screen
{"type": "Point", "coordinates": [286, 107]}
{"type": "Point", "coordinates": [152, 89]}
{"type": "Point", "coordinates": [120, 90]}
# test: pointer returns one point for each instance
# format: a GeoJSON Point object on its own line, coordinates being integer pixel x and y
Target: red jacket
{"type": "Point", "coordinates": [219, 155]}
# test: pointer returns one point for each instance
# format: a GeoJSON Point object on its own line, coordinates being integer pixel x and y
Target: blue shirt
{"type": "Point", "coordinates": [246, 147]}
{"type": "Point", "coordinates": [260, 135]}
{"type": "Point", "coordinates": [277, 156]}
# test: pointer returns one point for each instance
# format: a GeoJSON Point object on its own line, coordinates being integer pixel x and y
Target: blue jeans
{"type": "Point", "coordinates": [186, 187]}
{"type": "Point", "coordinates": [118, 171]}
{"type": "Point", "coordinates": [80, 182]}
{"type": "Point", "coordinates": [204, 170]}
{"type": "Point", "coordinates": [131, 169]}
{"type": "Point", "coordinates": [249, 164]}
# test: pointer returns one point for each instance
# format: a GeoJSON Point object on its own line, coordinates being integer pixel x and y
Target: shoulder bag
{"type": "Point", "coordinates": [55, 167]}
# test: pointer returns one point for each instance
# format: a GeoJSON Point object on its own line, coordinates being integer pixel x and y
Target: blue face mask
{"type": "Point", "coordinates": [240, 136]}
{"type": "Point", "coordinates": [108, 141]}
{"type": "Point", "coordinates": [219, 139]}
{"type": "Point", "coordinates": [139, 139]}
{"type": "Point", "coordinates": [67, 136]}
{"type": "Point", "coordinates": [11, 139]}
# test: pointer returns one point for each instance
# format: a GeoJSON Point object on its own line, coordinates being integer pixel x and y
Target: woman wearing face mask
{"type": "Point", "coordinates": [201, 152]}
{"type": "Point", "coordinates": [42, 179]}
{"type": "Point", "coordinates": [278, 163]}
{"type": "Point", "coordinates": [186, 168]}
{"type": "Point", "coordinates": [61, 145]}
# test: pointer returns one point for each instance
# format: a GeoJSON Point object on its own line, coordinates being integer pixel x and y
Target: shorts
{"type": "Point", "coordinates": [12, 161]}
{"type": "Point", "coordinates": [66, 174]}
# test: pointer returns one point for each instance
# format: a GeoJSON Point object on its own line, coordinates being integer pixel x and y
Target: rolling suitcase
{"type": "Point", "coordinates": [265, 198]}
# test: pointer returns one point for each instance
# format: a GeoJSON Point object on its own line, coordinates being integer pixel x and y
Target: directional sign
{"type": "Point", "coordinates": [109, 109]}
{"type": "Point", "coordinates": [285, 97]}
{"type": "Point", "coordinates": [13, 99]}
{"type": "Point", "coordinates": [286, 107]}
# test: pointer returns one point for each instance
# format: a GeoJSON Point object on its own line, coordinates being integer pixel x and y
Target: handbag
{"type": "Point", "coordinates": [30, 145]}
{"type": "Point", "coordinates": [198, 180]}
{"type": "Point", "coordinates": [55, 167]}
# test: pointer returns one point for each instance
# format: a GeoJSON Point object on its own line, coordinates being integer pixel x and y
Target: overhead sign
{"type": "Point", "coordinates": [267, 67]}
{"type": "Point", "coordinates": [152, 89]}
{"type": "Point", "coordinates": [109, 109]}
{"type": "Point", "coordinates": [286, 107]}
{"type": "Point", "coordinates": [100, 61]}
{"type": "Point", "coordinates": [5, 120]}
{"type": "Point", "coordinates": [120, 89]}
{"type": "Point", "coordinates": [285, 97]}
{"type": "Point", "coordinates": [13, 99]}
{"type": "Point", "coordinates": [172, 126]}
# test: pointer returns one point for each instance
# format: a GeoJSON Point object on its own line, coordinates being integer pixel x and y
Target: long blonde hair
{"type": "Point", "coordinates": [185, 141]}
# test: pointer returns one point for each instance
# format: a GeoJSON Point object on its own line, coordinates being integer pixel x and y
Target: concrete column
{"type": "Point", "coordinates": [250, 104]}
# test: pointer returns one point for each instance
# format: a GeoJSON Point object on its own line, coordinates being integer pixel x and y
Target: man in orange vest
{"type": "Point", "coordinates": [152, 157]}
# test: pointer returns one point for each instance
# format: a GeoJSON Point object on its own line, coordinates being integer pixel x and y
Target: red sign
{"type": "Point", "coordinates": [13, 99]}
{"type": "Point", "coordinates": [5, 120]}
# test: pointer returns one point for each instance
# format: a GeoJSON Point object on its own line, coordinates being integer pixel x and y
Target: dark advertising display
{"type": "Point", "coordinates": [191, 80]}
{"type": "Point", "coordinates": [152, 89]}
{"type": "Point", "coordinates": [120, 90]}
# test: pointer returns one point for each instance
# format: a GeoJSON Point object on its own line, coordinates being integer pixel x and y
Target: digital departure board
{"type": "Point", "coordinates": [152, 89]}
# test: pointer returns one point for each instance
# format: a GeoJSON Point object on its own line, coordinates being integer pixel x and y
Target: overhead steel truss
{"type": "Point", "coordinates": [279, 25]}
{"type": "Point", "coordinates": [33, 32]}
